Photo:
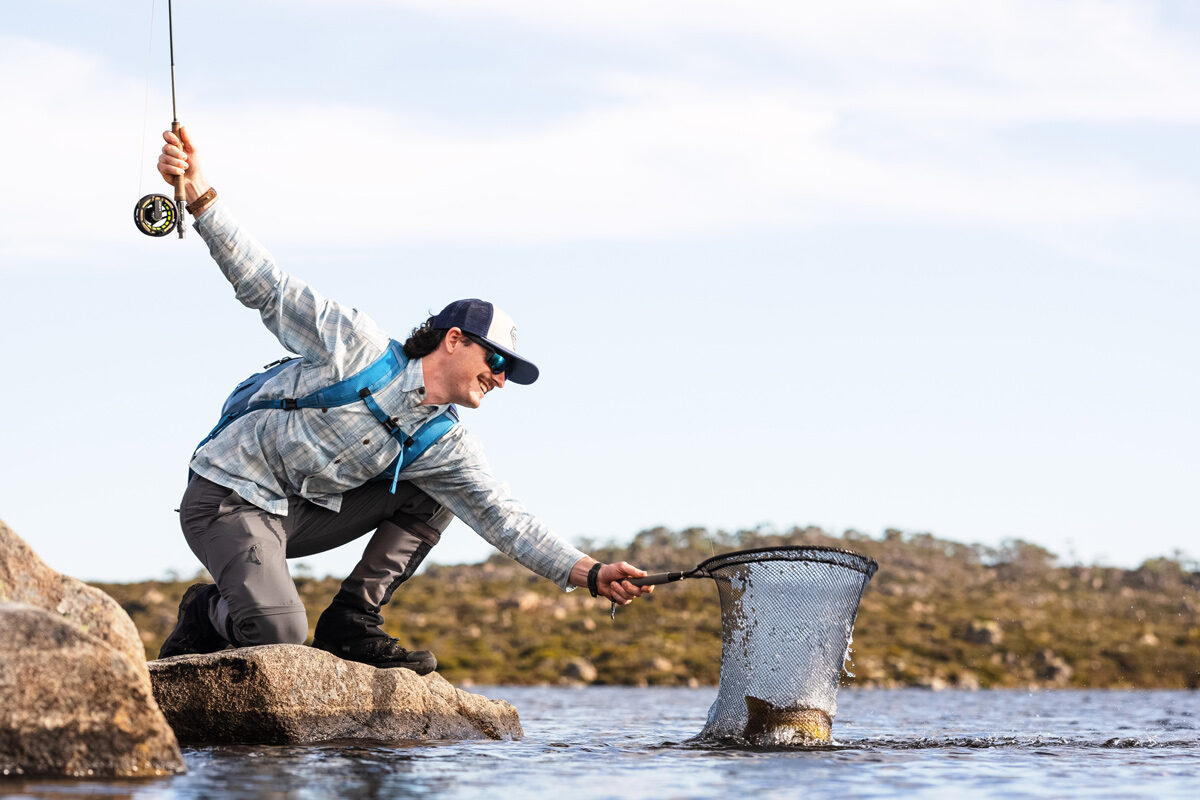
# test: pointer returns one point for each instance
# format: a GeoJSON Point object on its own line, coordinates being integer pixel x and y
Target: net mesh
{"type": "Point", "coordinates": [787, 616]}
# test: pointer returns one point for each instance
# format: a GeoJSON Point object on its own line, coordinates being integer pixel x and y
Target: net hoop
{"type": "Point", "coordinates": [836, 556]}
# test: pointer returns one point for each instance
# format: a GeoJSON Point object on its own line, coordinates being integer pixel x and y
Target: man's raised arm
{"type": "Point", "coordinates": [301, 319]}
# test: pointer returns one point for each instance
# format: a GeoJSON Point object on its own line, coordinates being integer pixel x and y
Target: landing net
{"type": "Point", "coordinates": [787, 617]}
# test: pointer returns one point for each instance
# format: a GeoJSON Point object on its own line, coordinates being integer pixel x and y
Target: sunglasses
{"type": "Point", "coordinates": [496, 362]}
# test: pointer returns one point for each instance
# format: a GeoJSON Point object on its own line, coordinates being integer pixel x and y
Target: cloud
{"type": "Point", "coordinates": [868, 112]}
{"type": "Point", "coordinates": [669, 157]}
{"type": "Point", "coordinates": [70, 149]}
{"type": "Point", "coordinates": [1084, 59]}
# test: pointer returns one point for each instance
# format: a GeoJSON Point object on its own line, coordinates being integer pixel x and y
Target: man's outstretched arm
{"type": "Point", "coordinates": [455, 473]}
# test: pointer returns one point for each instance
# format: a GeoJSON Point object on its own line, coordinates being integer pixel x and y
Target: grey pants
{"type": "Point", "coordinates": [246, 549]}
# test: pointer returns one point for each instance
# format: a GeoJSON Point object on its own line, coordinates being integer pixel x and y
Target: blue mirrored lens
{"type": "Point", "coordinates": [497, 363]}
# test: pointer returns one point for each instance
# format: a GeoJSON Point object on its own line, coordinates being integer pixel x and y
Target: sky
{"type": "Point", "coordinates": [864, 265]}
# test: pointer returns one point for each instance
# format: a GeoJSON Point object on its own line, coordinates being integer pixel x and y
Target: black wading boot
{"type": "Point", "coordinates": [194, 633]}
{"type": "Point", "coordinates": [351, 632]}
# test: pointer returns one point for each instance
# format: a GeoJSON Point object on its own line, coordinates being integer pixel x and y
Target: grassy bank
{"type": "Point", "coordinates": [938, 613]}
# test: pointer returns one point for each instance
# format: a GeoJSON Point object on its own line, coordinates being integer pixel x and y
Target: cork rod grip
{"type": "Point", "coordinates": [180, 199]}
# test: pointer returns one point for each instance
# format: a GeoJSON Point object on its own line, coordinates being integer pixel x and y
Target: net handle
{"type": "Point", "coordinates": [656, 579]}
{"type": "Point", "coordinates": [659, 578]}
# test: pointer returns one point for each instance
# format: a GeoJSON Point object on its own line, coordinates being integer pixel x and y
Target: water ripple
{"type": "Point", "coordinates": [599, 742]}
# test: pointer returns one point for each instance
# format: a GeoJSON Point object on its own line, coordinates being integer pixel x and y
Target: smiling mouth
{"type": "Point", "coordinates": [484, 386]}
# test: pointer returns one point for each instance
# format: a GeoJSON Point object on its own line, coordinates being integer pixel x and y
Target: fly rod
{"type": "Point", "coordinates": [157, 214]}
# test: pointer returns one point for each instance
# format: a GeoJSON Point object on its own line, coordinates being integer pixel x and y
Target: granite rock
{"type": "Point", "coordinates": [1050, 666]}
{"type": "Point", "coordinates": [984, 631]}
{"type": "Point", "coordinates": [292, 694]}
{"type": "Point", "coordinates": [580, 671]}
{"type": "Point", "coordinates": [25, 578]}
{"type": "Point", "coordinates": [71, 705]}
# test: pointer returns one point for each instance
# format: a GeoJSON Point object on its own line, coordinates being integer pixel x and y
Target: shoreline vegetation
{"type": "Point", "coordinates": [938, 614]}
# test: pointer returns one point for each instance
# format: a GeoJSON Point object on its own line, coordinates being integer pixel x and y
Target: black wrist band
{"type": "Point", "coordinates": [592, 574]}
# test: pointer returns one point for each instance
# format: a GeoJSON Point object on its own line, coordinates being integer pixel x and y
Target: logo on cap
{"type": "Point", "coordinates": [513, 335]}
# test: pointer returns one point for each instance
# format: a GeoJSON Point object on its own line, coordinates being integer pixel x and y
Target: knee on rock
{"type": "Point", "coordinates": [289, 628]}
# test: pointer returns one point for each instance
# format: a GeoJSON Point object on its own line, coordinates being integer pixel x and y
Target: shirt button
{"type": "Point", "coordinates": [395, 420]}
{"type": "Point", "coordinates": [337, 461]}
{"type": "Point", "coordinates": [421, 389]}
{"type": "Point", "coordinates": [366, 441]}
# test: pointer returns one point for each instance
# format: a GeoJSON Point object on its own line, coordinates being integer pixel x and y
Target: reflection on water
{"type": "Point", "coordinates": [618, 742]}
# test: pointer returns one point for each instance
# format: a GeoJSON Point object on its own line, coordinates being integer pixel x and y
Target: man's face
{"type": "Point", "coordinates": [471, 378]}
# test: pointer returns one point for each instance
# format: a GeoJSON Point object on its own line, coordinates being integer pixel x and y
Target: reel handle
{"type": "Point", "coordinates": [180, 198]}
{"type": "Point", "coordinates": [657, 578]}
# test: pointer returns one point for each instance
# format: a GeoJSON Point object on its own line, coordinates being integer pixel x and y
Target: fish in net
{"type": "Point", "coordinates": [787, 620]}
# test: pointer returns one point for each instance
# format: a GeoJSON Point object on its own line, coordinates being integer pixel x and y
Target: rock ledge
{"type": "Point", "coordinates": [292, 694]}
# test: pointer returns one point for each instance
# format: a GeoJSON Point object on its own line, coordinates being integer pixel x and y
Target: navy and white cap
{"type": "Point", "coordinates": [482, 319]}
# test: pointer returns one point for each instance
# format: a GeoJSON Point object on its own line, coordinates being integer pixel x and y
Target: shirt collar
{"type": "Point", "coordinates": [413, 377]}
{"type": "Point", "coordinates": [412, 383]}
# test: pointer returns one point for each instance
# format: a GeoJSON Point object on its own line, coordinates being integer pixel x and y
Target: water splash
{"type": "Point", "coordinates": [787, 627]}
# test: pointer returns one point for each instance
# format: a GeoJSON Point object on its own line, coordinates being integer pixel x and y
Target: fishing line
{"type": "Point", "coordinates": [146, 103]}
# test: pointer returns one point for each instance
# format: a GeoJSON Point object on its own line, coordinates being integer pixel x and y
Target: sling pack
{"type": "Point", "coordinates": [358, 387]}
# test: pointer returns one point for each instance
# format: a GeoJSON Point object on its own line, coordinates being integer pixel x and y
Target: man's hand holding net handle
{"type": "Point", "coordinates": [657, 578]}
{"type": "Point", "coordinates": [610, 580]}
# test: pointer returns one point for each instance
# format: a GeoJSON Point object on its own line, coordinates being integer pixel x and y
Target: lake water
{"type": "Point", "coordinates": [631, 743]}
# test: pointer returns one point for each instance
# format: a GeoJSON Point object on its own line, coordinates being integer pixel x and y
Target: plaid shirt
{"type": "Point", "coordinates": [269, 456]}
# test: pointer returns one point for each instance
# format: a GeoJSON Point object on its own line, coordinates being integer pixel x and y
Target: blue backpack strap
{"type": "Point", "coordinates": [411, 447]}
{"type": "Point", "coordinates": [236, 404]}
{"type": "Point", "coordinates": [359, 386]}
{"type": "Point", "coordinates": [378, 374]}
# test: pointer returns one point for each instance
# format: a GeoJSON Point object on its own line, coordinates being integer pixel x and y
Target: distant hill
{"type": "Point", "coordinates": [937, 614]}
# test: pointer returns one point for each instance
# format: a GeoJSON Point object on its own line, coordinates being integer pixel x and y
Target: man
{"type": "Point", "coordinates": [285, 483]}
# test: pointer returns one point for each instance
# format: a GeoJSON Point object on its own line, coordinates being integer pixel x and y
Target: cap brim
{"type": "Point", "coordinates": [522, 372]}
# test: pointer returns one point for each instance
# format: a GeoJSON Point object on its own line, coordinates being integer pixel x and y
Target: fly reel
{"type": "Point", "coordinates": [155, 215]}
